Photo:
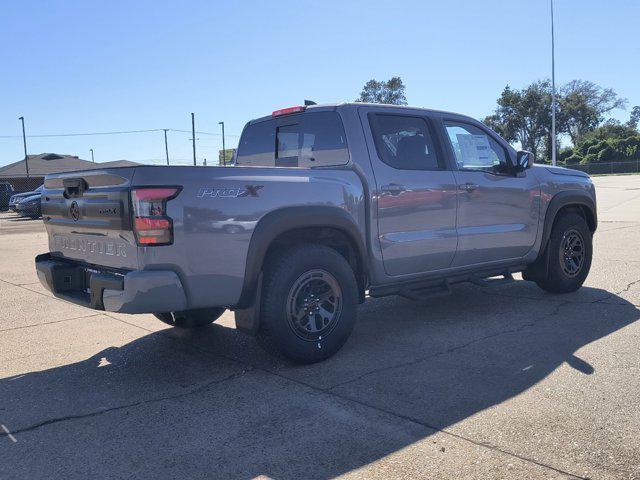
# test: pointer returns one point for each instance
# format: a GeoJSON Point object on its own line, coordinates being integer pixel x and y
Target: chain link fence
{"type": "Point", "coordinates": [607, 168]}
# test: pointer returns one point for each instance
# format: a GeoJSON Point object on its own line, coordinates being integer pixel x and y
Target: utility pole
{"type": "Point", "coordinates": [166, 147]}
{"type": "Point", "coordinates": [553, 93]}
{"type": "Point", "coordinates": [193, 132]}
{"type": "Point", "coordinates": [92, 159]}
{"type": "Point", "coordinates": [224, 150]}
{"type": "Point", "coordinates": [24, 142]}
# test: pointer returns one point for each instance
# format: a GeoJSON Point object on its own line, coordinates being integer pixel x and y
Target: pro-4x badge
{"type": "Point", "coordinates": [213, 192]}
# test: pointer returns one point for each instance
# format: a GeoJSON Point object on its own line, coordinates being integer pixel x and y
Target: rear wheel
{"type": "Point", "coordinates": [309, 299]}
{"type": "Point", "coordinates": [570, 251]}
{"type": "Point", "coordinates": [191, 318]}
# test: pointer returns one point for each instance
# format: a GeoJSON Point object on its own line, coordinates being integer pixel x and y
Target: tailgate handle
{"type": "Point", "coordinates": [74, 187]}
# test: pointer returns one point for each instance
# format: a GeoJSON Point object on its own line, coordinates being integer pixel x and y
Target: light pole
{"type": "Point", "coordinates": [92, 159]}
{"type": "Point", "coordinates": [553, 93]}
{"type": "Point", "coordinates": [24, 142]}
{"type": "Point", "coordinates": [193, 133]}
{"type": "Point", "coordinates": [166, 146]}
{"type": "Point", "coordinates": [224, 150]}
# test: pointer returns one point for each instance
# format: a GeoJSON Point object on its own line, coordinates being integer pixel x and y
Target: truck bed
{"type": "Point", "coordinates": [214, 218]}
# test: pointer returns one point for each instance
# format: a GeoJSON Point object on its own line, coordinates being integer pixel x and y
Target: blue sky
{"type": "Point", "coordinates": [88, 66]}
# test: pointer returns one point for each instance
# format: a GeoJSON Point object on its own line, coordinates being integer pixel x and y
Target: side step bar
{"type": "Point", "coordinates": [422, 289]}
{"type": "Point", "coordinates": [420, 293]}
{"type": "Point", "coordinates": [507, 277]}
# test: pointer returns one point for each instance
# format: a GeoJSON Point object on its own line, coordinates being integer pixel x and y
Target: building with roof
{"type": "Point", "coordinates": [46, 163]}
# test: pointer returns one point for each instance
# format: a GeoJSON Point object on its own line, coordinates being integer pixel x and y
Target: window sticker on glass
{"type": "Point", "coordinates": [475, 150]}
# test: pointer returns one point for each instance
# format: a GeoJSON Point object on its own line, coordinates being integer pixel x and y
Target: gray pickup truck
{"type": "Point", "coordinates": [326, 204]}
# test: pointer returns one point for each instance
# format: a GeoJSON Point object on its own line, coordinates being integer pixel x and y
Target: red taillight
{"type": "Point", "coordinates": [154, 193]}
{"type": "Point", "coordinates": [288, 111]}
{"type": "Point", "coordinates": [151, 223]}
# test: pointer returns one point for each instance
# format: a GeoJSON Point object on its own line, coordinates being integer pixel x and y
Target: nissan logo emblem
{"type": "Point", "coordinates": [74, 210]}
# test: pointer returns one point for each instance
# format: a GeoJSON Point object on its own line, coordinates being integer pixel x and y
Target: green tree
{"type": "Point", "coordinates": [634, 118]}
{"type": "Point", "coordinates": [565, 153]}
{"type": "Point", "coordinates": [611, 142]}
{"type": "Point", "coordinates": [610, 129]}
{"type": "Point", "coordinates": [390, 92]}
{"type": "Point", "coordinates": [583, 106]}
{"type": "Point", "coordinates": [523, 116]}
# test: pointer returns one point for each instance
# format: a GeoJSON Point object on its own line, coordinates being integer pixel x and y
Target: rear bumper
{"type": "Point", "coordinates": [137, 291]}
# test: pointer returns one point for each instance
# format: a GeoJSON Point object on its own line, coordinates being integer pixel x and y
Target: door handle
{"type": "Point", "coordinates": [393, 188]}
{"type": "Point", "coordinates": [468, 187]}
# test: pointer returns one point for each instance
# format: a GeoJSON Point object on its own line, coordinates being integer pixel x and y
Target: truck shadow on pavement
{"type": "Point", "coordinates": [209, 402]}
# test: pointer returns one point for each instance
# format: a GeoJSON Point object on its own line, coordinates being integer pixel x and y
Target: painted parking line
{"type": "Point", "coordinates": [11, 437]}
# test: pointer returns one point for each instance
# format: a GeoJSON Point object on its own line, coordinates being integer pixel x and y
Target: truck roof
{"type": "Point", "coordinates": [335, 106]}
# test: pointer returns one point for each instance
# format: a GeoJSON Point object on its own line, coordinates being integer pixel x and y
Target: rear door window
{"type": "Point", "coordinates": [405, 142]}
{"type": "Point", "coordinates": [306, 140]}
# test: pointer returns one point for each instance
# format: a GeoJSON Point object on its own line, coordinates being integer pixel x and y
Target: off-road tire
{"type": "Point", "coordinates": [191, 318]}
{"type": "Point", "coordinates": [279, 331]}
{"type": "Point", "coordinates": [557, 279]}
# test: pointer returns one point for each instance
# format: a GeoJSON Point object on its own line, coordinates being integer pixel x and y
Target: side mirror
{"type": "Point", "coordinates": [524, 160]}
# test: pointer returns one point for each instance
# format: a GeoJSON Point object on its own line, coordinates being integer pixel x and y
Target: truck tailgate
{"type": "Point", "coordinates": [87, 216]}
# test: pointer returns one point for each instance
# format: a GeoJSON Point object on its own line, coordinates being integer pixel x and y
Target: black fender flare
{"type": "Point", "coordinates": [579, 198]}
{"type": "Point", "coordinates": [285, 219]}
{"type": "Point", "coordinates": [562, 199]}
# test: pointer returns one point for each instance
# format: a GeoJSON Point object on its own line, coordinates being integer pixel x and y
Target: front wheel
{"type": "Point", "coordinates": [570, 251]}
{"type": "Point", "coordinates": [191, 318]}
{"type": "Point", "coordinates": [309, 302]}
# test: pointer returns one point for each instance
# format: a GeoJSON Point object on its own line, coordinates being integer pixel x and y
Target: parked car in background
{"type": "Point", "coordinates": [30, 206]}
{"type": "Point", "coordinates": [6, 190]}
{"type": "Point", "coordinates": [16, 198]}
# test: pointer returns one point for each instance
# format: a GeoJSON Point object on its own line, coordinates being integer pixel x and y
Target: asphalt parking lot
{"type": "Point", "coordinates": [505, 382]}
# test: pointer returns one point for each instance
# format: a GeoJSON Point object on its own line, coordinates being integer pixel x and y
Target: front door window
{"type": "Point", "coordinates": [473, 149]}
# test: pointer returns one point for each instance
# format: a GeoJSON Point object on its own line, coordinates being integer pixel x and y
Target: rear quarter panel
{"type": "Point", "coordinates": [216, 214]}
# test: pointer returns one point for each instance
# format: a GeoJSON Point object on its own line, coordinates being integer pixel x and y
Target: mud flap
{"type": "Point", "coordinates": [539, 269]}
{"type": "Point", "coordinates": [248, 319]}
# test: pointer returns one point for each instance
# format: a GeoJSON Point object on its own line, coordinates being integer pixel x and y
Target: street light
{"type": "Point", "coordinates": [24, 142]}
{"type": "Point", "coordinates": [92, 159]}
{"type": "Point", "coordinates": [224, 150]}
{"type": "Point", "coordinates": [166, 147]}
{"type": "Point", "coordinates": [553, 93]}
{"type": "Point", "coordinates": [193, 133]}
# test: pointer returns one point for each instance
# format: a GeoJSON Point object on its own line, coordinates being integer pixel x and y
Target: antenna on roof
{"type": "Point", "coordinates": [309, 102]}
